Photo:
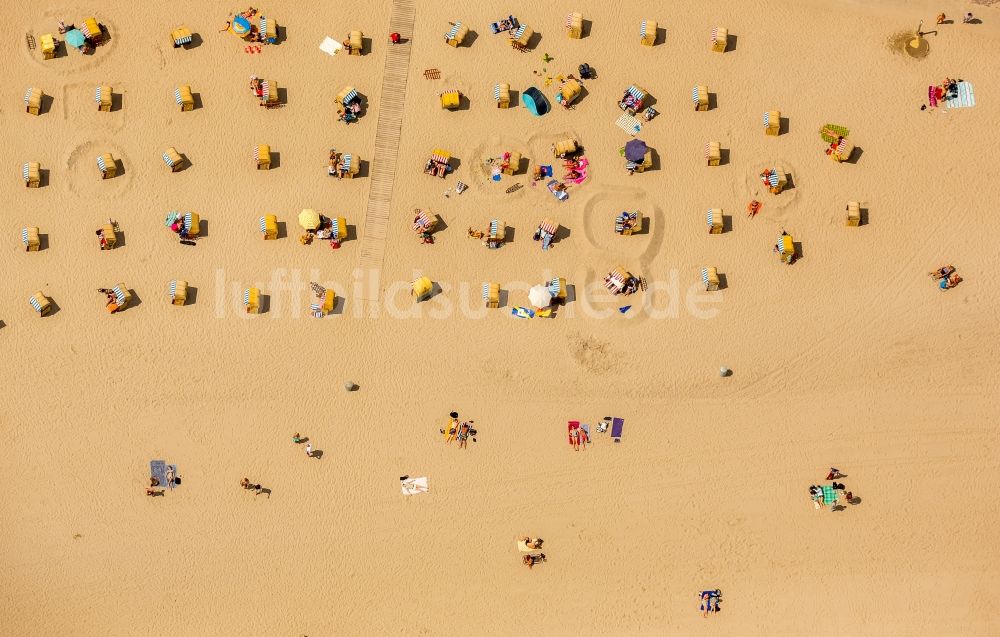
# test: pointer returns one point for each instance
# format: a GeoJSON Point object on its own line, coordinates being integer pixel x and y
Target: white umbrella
{"type": "Point", "coordinates": [539, 296]}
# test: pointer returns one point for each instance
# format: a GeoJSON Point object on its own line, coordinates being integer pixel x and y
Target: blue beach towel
{"type": "Point", "coordinates": [965, 98]}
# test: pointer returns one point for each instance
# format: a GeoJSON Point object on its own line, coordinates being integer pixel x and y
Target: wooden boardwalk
{"type": "Point", "coordinates": [390, 122]}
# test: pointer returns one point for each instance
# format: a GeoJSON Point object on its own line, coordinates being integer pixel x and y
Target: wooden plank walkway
{"type": "Point", "coordinates": [390, 122]}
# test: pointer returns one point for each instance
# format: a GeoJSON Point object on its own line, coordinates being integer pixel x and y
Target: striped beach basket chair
{"type": "Point", "coordinates": [180, 36]}
{"type": "Point", "coordinates": [843, 151]}
{"type": "Point", "coordinates": [269, 92]}
{"type": "Point", "coordinates": [628, 223]}
{"type": "Point", "coordinates": [269, 29]}
{"type": "Point", "coordinates": [853, 213]}
{"type": "Point", "coordinates": [713, 153]}
{"type": "Point", "coordinates": [122, 298]}
{"type": "Point", "coordinates": [519, 39]}
{"type": "Point", "coordinates": [268, 227]}
{"type": "Point", "coordinates": [547, 232]}
{"type": "Point", "coordinates": [423, 222]}
{"type": "Point", "coordinates": [30, 239]}
{"type": "Point", "coordinates": [647, 32]}
{"type": "Point", "coordinates": [178, 292]}
{"type": "Point", "coordinates": [775, 180]}
{"type": "Point", "coordinates": [184, 98]}
{"type": "Point", "coordinates": [103, 98]}
{"type": "Point", "coordinates": [192, 224]}
{"type": "Point", "coordinates": [456, 34]}
{"type": "Point", "coordinates": [323, 305]}
{"type": "Point", "coordinates": [772, 123]}
{"type": "Point", "coordinates": [699, 95]}
{"type": "Point", "coordinates": [32, 173]}
{"type": "Point", "coordinates": [173, 159]}
{"type": "Point", "coordinates": [349, 165]}
{"type": "Point", "coordinates": [262, 156]}
{"type": "Point", "coordinates": [338, 229]}
{"type": "Point", "coordinates": [92, 30]}
{"type": "Point", "coordinates": [557, 288]}
{"type": "Point", "coordinates": [715, 220]}
{"type": "Point", "coordinates": [47, 44]}
{"type": "Point", "coordinates": [574, 26]}
{"type": "Point", "coordinates": [720, 36]}
{"type": "Point", "coordinates": [491, 295]}
{"type": "Point", "coordinates": [107, 165]}
{"type": "Point", "coordinates": [497, 235]}
{"type": "Point", "coordinates": [501, 93]}
{"type": "Point", "coordinates": [33, 100]}
{"type": "Point", "coordinates": [710, 279]}
{"type": "Point", "coordinates": [109, 235]}
{"type": "Point", "coordinates": [251, 300]}
{"type": "Point", "coordinates": [785, 248]}
{"type": "Point", "coordinates": [347, 95]}
{"type": "Point", "coordinates": [41, 303]}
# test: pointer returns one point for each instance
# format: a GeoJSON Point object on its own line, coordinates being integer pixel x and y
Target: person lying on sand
{"type": "Point", "coordinates": [950, 282]}
{"type": "Point", "coordinates": [532, 543]}
{"type": "Point", "coordinates": [530, 560]}
{"type": "Point", "coordinates": [941, 273]}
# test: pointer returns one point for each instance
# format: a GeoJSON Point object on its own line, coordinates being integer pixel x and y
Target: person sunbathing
{"type": "Point", "coordinates": [574, 439]}
{"type": "Point", "coordinates": [531, 560]}
{"type": "Point", "coordinates": [753, 208]}
{"type": "Point", "coordinates": [476, 234]}
{"type": "Point", "coordinates": [941, 273]}
{"type": "Point", "coordinates": [463, 435]}
{"type": "Point", "coordinates": [532, 544]}
{"type": "Point", "coordinates": [584, 438]}
{"type": "Point", "coordinates": [950, 282]}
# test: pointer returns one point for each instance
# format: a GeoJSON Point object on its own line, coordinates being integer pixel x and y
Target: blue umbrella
{"type": "Point", "coordinates": [535, 101]}
{"type": "Point", "coordinates": [240, 26]}
{"type": "Point", "coordinates": [75, 38]}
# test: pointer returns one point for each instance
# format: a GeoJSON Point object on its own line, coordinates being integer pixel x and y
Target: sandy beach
{"type": "Point", "coordinates": [850, 357]}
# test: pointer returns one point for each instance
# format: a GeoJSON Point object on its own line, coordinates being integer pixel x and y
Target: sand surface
{"type": "Point", "coordinates": [850, 357]}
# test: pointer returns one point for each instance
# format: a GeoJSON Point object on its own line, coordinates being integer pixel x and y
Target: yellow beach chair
{"type": "Point", "coordinates": [338, 228]}
{"type": "Point", "coordinates": [720, 36]}
{"type": "Point", "coordinates": [262, 155]}
{"type": "Point", "coordinates": [574, 26]}
{"type": "Point", "coordinates": [511, 163]}
{"type": "Point", "coordinates": [715, 221]}
{"type": "Point", "coordinates": [33, 100]}
{"type": "Point", "coordinates": [32, 173]}
{"type": "Point", "coordinates": [110, 236]}
{"type": "Point", "coordinates": [269, 227]}
{"type": "Point", "coordinates": [786, 248]}
{"type": "Point", "coordinates": [251, 300]}
{"type": "Point", "coordinates": [269, 29]}
{"type": "Point", "coordinates": [456, 34]}
{"type": "Point", "coordinates": [103, 97]}
{"type": "Point", "coordinates": [92, 30]}
{"type": "Point", "coordinates": [29, 237]}
{"type": "Point", "coordinates": [173, 159]}
{"type": "Point", "coordinates": [184, 98]}
{"type": "Point", "coordinates": [501, 93]}
{"type": "Point", "coordinates": [107, 165]}
{"type": "Point", "coordinates": [270, 92]}
{"type": "Point", "coordinates": [349, 165]}
{"type": "Point", "coordinates": [772, 123]}
{"type": "Point", "coordinates": [628, 223]}
{"type": "Point", "coordinates": [421, 288]}
{"type": "Point", "coordinates": [180, 36]}
{"type": "Point", "coordinates": [647, 32]}
{"type": "Point", "coordinates": [122, 298]}
{"type": "Point", "coordinates": [699, 95]}
{"type": "Point", "coordinates": [355, 43]}
{"type": "Point", "coordinates": [41, 303]}
{"type": "Point", "coordinates": [451, 99]}
{"type": "Point", "coordinates": [178, 292]}
{"type": "Point", "coordinates": [564, 148]}
{"type": "Point", "coordinates": [853, 213]}
{"type": "Point", "coordinates": [519, 39]}
{"type": "Point", "coordinates": [557, 287]}
{"type": "Point", "coordinates": [47, 43]}
{"type": "Point", "coordinates": [568, 92]}
{"type": "Point", "coordinates": [491, 295]}
{"type": "Point", "coordinates": [843, 151]}
{"type": "Point", "coordinates": [710, 277]}
{"type": "Point", "coordinates": [775, 179]}
{"type": "Point", "coordinates": [329, 301]}
{"type": "Point", "coordinates": [713, 153]}
{"type": "Point", "coordinates": [192, 224]}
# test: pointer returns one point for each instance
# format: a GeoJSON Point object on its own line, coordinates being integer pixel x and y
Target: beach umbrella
{"type": "Point", "coordinates": [309, 219]}
{"type": "Point", "coordinates": [171, 218]}
{"type": "Point", "coordinates": [75, 38]}
{"type": "Point", "coordinates": [635, 150]}
{"type": "Point", "coordinates": [539, 296]}
{"type": "Point", "coordinates": [240, 26]}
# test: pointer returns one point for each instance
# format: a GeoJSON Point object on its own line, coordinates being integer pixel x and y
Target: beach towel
{"type": "Point", "coordinates": [523, 547]}
{"type": "Point", "coordinates": [581, 167]}
{"type": "Point", "coordinates": [617, 424]}
{"type": "Point", "coordinates": [158, 470]}
{"type": "Point", "coordinates": [546, 171]}
{"type": "Point", "coordinates": [629, 124]}
{"type": "Point", "coordinates": [965, 98]}
{"type": "Point", "coordinates": [586, 430]}
{"type": "Point", "coordinates": [330, 46]}
{"type": "Point", "coordinates": [413, 486]}
{"type": "Point", "coordinates": [624, 308]}
{"type": "Point", "coordinates": [572, 426]}
{"type": "Point", "coordinates": [522, 312]}
{"type": "Point", "coordinates": [829, 494]}
{"type": "Point", "coordinates": [932, 96]}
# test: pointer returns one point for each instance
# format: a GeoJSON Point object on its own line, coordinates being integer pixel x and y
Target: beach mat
{"type": "Point", "coordinates": [616, 429]}
{"type": "Point", "coordinates": [629, 124]}
{"type": "Point", "coordinates": [158, 470]}
{"type": "Point", "coordinates": [966, 98]}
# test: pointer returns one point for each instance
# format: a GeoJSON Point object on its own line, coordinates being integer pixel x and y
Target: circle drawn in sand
{"type": "Point", "coordinates": [83, 178]}
{"type": "Point", "coordinates": [599, 214]}
{"type": "Point", "coordinates": [903, 41]}
{"type": "Point", "coordinates": [68, 59]}
{"type": "Point", "coordinates": [755, 188]}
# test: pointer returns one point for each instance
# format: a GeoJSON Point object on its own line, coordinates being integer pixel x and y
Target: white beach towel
{"type": "Point", "coordinates": [629, 124]}
{"type": "Point", "coordinates": [413, 486]}
{"type": "Point", "coordinates": [965, 99]}
{"type": "Point", "coordinates": [330, 46]}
